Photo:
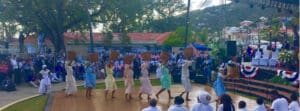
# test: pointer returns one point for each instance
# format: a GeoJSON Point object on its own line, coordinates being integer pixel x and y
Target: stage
{"type": "Point", "coordinates": [98, 102]}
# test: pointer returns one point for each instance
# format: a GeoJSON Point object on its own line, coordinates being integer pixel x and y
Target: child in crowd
{"type": "Point", "coordinates": [242, 106]}
{"type": "Point", "coordinates": [178, 101]}
{"type": "Point", "coordinates": [152, 106]}
{"type": "Point", "coordinates": [294, 105]}
{"type": "Point", "coordinates": [226, 103]}
{"type": "Point", "coordinates": [261, 106]}
{"type": "Point", "coordinates": [203, 102]}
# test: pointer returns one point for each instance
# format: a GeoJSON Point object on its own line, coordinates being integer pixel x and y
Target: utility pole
{"type": "Point", "coordinates": [187, 22]}
{"type": "Point", "coordinates": [90, 27]}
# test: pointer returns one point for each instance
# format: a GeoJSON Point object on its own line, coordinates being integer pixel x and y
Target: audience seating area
{"type": "Point", "coordinates": [258, 88]}
{"type": "Point", "coordinates": [265, 58]}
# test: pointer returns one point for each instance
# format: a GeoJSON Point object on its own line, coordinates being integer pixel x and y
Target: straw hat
{"type": "Point", "coordinates": [188, 53]}
{"type": "Point", "coordinates": [128, 59]}
{"type": "Point", "coordinates": [113, 56]}
{"type": "Point", "coordinates": [146, 56]}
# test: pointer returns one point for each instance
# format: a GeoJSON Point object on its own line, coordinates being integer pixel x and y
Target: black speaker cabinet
{"type": "Point", "coordinates": [231, 48]}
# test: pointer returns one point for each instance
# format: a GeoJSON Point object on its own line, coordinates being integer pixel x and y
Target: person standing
{"type": "Point", "coordinates": [89, 79]}
{"type": "Point", "coordinates": [165, 80]}
{"type": "Point", "coordinates": [136, 67]}
{"type": "Point", "coordinates": [70, 80]}
{"type": "Point", "coordinates": [45, 83]}
{"type": "Point", "coordinates": [110, 82]}
{"type": "Point", "coordinates": [218, 85]}
{"type": "Point", "coordinates": [15, 73]}
{"type": "Point", "coordinates": [129, 82]}
{"type": "Point", "coordinates": [185, 78]}
{"type": "Point", "coordinates": [146, 87]}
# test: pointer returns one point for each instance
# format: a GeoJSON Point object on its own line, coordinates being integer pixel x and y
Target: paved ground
{"type": "Point", "coordinates": [25, 90]}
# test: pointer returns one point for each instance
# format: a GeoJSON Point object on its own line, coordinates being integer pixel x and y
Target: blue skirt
{"type": "Point", "coordinates": [90, 80]}
{"type": "Point", "coordinates": [219, 87]}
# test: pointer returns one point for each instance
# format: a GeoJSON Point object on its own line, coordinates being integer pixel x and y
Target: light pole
{"type": "Point", "coordinates": [90, 27]}
{"type": "Point", "coordinates": [187, 22]}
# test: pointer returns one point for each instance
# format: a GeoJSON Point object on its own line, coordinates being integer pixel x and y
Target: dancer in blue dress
{"type": "Point", "coordinates": [90, 79]}
{"type": "Point", "coordinates": [218, 84]}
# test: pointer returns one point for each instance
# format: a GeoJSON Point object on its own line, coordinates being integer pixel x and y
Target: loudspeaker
{"type": "Point", "coordinates": [231, 48]}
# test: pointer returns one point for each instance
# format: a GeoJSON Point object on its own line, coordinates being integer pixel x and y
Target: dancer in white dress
{"type": "Point", "coordinates": [70, 80]}
{"type": "Point", "coordinates": [185, 78]}
{"type": "Point", "coordinates": [129, 82]}
{"type": "Point", "coordinates": [146, 87]}
{"type": "Point", "coordinates": [45, 83]}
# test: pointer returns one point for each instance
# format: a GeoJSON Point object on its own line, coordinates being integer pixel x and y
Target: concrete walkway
{"type": "Point", "coordinates": [25, 90]}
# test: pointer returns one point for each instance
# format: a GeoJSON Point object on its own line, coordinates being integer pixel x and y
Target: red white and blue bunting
{"type": "Point", "coordinates": [249, 71]}
{"type": "Point", "coordinates": [292, 77]}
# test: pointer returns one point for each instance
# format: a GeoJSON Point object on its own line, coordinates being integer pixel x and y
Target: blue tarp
{"type": "Point", "coordinates": [201, 47]}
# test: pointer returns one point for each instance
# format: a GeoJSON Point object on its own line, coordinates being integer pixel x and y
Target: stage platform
{"type": "Point", "coordinates": [98, 102]}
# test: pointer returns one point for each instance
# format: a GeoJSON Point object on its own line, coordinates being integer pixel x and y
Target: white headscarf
{"type": "Point", "coordinates": [204, 98]}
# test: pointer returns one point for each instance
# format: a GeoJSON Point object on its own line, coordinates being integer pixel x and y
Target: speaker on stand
{"type": "Point", "coordinates": [231, 48]}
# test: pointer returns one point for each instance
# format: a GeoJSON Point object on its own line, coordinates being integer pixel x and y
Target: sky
{"type": "Point", "coordinates": [198, 4]}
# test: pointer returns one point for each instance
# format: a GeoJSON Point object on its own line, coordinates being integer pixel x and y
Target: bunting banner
{"type": "Point", "coordinates": [292, 77]}
{"type": "Point", "coordinates": [249, 71]}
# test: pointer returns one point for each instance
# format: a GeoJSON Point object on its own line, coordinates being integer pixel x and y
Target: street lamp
{"type": "Point", "coordinates": [187, 23]}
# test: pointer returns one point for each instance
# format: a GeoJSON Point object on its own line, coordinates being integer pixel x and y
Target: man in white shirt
{"type": "Point", "coordinates": [261, 105]}
{"type": "Point", "coordinates": [294, 105]}
{"type": "Point", "coordinates": [152, 106]}
{"type": "Point", "coordinates": [178, 105]}
{"type": "Point", "coordinates": [279, 103]}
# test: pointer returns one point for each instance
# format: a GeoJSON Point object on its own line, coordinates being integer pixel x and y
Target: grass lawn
{"type": "Point", "coordinates": [38, 103]}
{"type": "Point", "coordinates": [33, 104]}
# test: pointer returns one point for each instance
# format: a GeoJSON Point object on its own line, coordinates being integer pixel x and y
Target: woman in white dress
{"type": "Point", "coordinates": [185, 78]}
{"type": "Point", "coordinates": [45, 83]}
{"type": "Point", "coordinates": [128, 79]}
{"type": "Point", "coordinates": [146, 87]}
{"type": "Point", "coordinates": [70, 80]}
{"type": "Point", "coordinates": [110, 82]}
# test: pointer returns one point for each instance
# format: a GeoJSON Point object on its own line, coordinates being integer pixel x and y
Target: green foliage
{"type": "Point", "coordinates": [215, 18]}
{"type": "Point", "coordinates": [279, 80]}
{"type": "Point", "coordinates": [176, 38]}
{"type": "Point", "coordinates": [54, 17]}
{"type": "Point", "coordinates": [33, 104]}
{"type": "Point", "coordinates": [288, 58]}
{"type": "Point", "coordinates": [203, 36]}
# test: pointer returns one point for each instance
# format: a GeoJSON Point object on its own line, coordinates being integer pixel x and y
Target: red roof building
{"type": "Point", "coordinates": [136, 38]}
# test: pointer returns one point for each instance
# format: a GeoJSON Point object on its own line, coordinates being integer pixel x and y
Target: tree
{"type": "Point", "coordinates": [177, 38]}
{"type": "Point", "coordinates": [203, 36]}
{"type": "Point", "coordinates": [53, 17]}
